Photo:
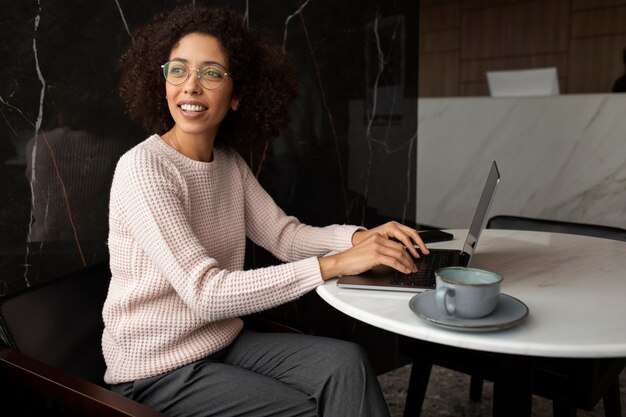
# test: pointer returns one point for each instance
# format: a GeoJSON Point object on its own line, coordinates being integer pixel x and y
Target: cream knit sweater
{"type": "Point", "coordinates": [177, 234]}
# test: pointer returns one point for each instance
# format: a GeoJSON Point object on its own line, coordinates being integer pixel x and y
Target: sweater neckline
{"type": "Point", "coordinates": [173, 153]}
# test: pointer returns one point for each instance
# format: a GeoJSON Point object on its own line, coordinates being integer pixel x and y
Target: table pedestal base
{"type": "Point", "coordinates": [569, 383]}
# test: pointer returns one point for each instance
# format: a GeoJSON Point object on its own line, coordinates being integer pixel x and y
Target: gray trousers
{"type": "Point", "coordinates": [268, 374]}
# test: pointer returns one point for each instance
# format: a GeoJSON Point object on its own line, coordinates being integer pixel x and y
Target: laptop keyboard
{"type": "Point", "coordinates": [426, 267]}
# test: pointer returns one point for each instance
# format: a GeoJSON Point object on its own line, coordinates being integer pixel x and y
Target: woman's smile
{"type": "Point", "coordinates": [196, 109]}
{"type": "Point", "coordinates": [192, 110]}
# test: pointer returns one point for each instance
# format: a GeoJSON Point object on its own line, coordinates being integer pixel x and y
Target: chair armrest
{"type": "Point", "coordinates": [66, 389]}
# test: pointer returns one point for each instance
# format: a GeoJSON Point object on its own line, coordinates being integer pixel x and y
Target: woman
{"type": "Point", "coordinates": [182, 204]}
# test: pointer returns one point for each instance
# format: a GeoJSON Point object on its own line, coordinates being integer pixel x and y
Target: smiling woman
{"type": "Point", "coordinates": [198, 103]}
{"type": "Point", "coordinates": [182, 204]}
{"type": "Point", "coordinates": [250, 62]}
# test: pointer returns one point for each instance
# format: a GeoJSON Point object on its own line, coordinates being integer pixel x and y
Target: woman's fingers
{"type": "Point", "coordinates": [393, 254]}
{"type": "Point", "coordinates": [390, 244]}
{"type": "Point", "coordinates": [409, 237]}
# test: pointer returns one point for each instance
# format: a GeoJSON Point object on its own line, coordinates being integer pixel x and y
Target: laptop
{"type": "Point", "coordinates": [387, 278]}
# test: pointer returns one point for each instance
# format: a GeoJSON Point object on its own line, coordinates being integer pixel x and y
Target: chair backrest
{"type": "Point", "coordinates": [60, 322]}
{"type": "Point", "coordinates": [556, 226]}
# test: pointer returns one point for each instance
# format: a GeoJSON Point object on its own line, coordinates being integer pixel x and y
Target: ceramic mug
{"type": "Point", "coordinates": [467, 293]}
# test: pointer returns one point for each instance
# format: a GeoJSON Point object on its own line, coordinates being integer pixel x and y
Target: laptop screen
{"type": "Point", "coordinates": [483, 208]}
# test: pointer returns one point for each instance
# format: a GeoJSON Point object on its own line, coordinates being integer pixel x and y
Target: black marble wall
{"type": "Point", "coordinates": [348, 156]}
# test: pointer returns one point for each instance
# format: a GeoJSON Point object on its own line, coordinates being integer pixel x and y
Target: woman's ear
{"type": "Point", "coordinates": [234, 104]}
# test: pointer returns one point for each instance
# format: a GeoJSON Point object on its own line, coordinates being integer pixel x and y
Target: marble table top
{"type": "Point", "coordinates": [574, 287]}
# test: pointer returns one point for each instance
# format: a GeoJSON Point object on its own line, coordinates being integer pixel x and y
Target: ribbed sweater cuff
{"type": "Point", "coordinates": [344, 233]}
{"type": "Point", "coordinates": [320, 241]}
{"type": "Point", "coordinates": [309, 272]}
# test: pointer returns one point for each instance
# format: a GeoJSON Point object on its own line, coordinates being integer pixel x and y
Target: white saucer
{"type": "Point", "coordinates": [509, 312]}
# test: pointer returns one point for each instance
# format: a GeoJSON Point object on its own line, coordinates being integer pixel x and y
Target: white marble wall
{"type": "Point", "coordinates": [561, 157]}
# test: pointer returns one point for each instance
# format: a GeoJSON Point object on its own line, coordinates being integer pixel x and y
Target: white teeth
{"type": "Point", "coordinates": [192, 107]}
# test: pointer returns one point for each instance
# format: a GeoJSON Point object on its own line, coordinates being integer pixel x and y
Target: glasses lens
{"type": "Point", "coordinates": [175, 72]}
{"type": "Point", "coordinates": [211, 76]}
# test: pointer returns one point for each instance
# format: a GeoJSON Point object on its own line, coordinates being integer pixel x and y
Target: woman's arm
{"type": "Point", "coordinates": [386, 244]}
{"type": "Point", "coordinates": [359, 249]}
{"type": "Point", "coordinates": [282, 235]}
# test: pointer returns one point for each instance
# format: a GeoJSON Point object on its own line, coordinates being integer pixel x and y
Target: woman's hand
{"type": "Point", "coordinates": [405, 234]}
{"type": "Point", "coordinates": [376, 247]}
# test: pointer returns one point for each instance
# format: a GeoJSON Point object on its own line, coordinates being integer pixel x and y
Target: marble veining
{"type": "Point", "coordinates": [560, 157]}
{"type": "Point", "coordinates": [546, 271]}
{"type": "Point", "coordinates": [347, 157]}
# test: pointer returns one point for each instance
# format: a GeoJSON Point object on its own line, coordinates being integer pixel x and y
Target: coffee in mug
{"type": "Point", "coordinates": [468, 293]}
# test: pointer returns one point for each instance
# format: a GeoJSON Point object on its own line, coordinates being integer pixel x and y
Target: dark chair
{"type": "Point", "coordinates": [555, 226]}
{"type": "Point", "coordinates": [562, 380]}
{"type": "Point", "coordinates": [51, 347]}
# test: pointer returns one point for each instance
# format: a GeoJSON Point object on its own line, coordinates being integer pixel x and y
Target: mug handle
{"type": "Point", "coordinates": [441, 300]}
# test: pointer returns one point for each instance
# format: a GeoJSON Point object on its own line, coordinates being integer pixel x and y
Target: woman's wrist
{"type": "Point", "coordinates": [328, 267]}
{"type": "Point", "coordinates": [358, 236]}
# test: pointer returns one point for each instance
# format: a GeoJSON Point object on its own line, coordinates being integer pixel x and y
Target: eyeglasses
{"type": "Point", "coordinates": [210, 76]}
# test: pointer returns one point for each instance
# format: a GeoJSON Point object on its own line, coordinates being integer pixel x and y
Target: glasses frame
{"type": "Point", "coordinates": [226, 74]}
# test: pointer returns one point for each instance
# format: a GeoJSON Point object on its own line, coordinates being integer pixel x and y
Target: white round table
{"type": "Point", "coordinates": [574, 287]}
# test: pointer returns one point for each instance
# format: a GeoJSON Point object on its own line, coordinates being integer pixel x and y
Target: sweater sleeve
{"type": "Point", "coordinates": [284, 236]}
{"type": "Point", "coordinates": [150, 194]}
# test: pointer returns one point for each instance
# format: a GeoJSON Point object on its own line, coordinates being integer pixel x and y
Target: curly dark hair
{"type": "Point", "coordinates": [265, 80]}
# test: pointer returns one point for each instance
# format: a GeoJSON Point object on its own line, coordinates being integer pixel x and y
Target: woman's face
{"type": "Point", "coordinates": [195, 109]}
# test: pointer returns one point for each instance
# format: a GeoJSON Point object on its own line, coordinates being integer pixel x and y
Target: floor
{"type": "Point", "coordinates": [448, 396]}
